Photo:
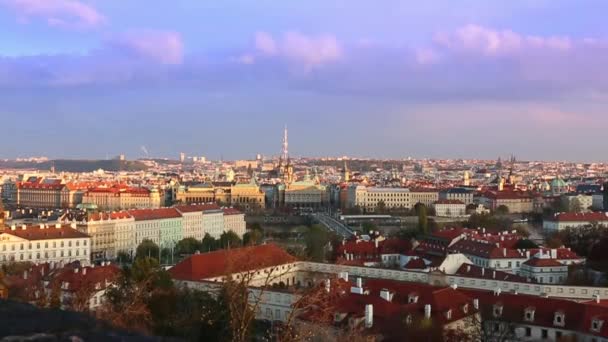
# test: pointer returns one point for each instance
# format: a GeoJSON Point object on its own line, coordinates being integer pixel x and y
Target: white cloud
{"type": "Point", "coordinates": [59, 13]}
{"type": "Point", "coordinates": [165, 47]}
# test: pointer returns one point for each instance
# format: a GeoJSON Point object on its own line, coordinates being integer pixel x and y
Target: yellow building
{"type": "Point", "coordinates": [247, 196]}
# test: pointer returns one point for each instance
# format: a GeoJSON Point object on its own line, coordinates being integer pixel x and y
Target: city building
{"type": "Point", "coordinates": [577, 203]}
{"type": "Point", "coordinates": [562, 221]}
{"type": "Point", "coordinates": [458, 194]}
{"type": "Point", "coordinates": [162, 226]}
{"type": "Point", "coordinates": [122, 198]}
{"type": "Point", "coordinates": [42, 243]}
{"type": "Point", "coordinates": [515, 201]}
{"type": "Point", "coordinates": [450, 208]}
{"type": "Point", "coordinates": [544, 270]}
{"type": "Point", "coordinates": [234, 220]}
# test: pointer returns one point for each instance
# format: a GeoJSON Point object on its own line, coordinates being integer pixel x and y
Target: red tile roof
{"type": "Point", "coordinates": [232, 211]}
{"type": "Point", "coordinates": [580, 217]}
{"type": "Point", "coordinates": [578, 316]}
{"type": "Point", "coordinates": [474, 271]}
{"type": "Point", "coordinates": [537, 262]}
{"type": "Point", "coordinates": [219, 263]}
{"type": "Point", "coordinates": [154, 214]}
{"type": "Point", "coordinates": [33, 233]}
{"type": "Point", "coordinates": [78, 278]}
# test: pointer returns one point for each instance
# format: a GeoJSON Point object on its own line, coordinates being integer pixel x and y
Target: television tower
{"type": "Point", "coordinates": [285, 154]}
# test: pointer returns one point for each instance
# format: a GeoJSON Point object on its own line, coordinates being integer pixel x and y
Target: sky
{"type": "Point", "coordinates": [387, 79]}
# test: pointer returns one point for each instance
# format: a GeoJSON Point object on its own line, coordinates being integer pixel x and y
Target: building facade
{"type": "Point", "coordinates": [60, 244]}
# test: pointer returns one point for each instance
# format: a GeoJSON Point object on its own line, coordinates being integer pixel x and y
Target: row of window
{"type": "Point", "coordinates": [39, 244]}
{"type": "Point", "coordinates": [45, 255]}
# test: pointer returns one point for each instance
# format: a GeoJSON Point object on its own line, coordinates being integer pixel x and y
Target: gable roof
{"type": "Point", "coordinates": [219, 263]}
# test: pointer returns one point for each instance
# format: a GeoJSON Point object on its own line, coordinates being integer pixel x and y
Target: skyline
{"type": "Point", "coordinates": [94, 78]}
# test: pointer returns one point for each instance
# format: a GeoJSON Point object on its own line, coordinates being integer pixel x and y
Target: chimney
{"type": "Point", "coordinates": [454, 286]}
{"type": "Point", "coordinates": [527, 254]}
{"type": "Point", "coordinates": [493, 274]}
{"type": "Point", "coordinates": [13, 227]}
{"type": "Point", "coordinates": [369, 316]}
{"type": "Point", "coordinates": [476, 303]}
{"type": "Point", "coordinates": [597, 298]}
{"type": "Point", "coordinates": [554, 254]}
{"type": "Point", "coordinates": [386, 295]}
{"type": "Point", "coordinates": [23, 227]}
{"type": "Point", "coordinates": [84, 271]}
{"type": "Point", "coordinates": [328, 286]}
{"type": "Point", "coordinates": [504, 252]}
{"type": "Point", "coordinates": [344, 276]}
{"type": "Point", "coordinates": [76, 270]}
{"type": "Point", "coordinates": [468, 268]}
{"type": "Point", "coordinates": [73, 225]}
{"type": "Point", "coordinates": [359, 282]}
{"type": "Point", "coordinates": [58, 226]}
{"type": "Point", "coordinates": [376, 243]}
{"type": "Point", "coordinates": [427, 311]}
{"type": "Point", "coordinates": [25, 275]}
{"type": "Point", "coordinates": [483, 271]}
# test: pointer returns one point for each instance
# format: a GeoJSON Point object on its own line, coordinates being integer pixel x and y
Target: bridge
{"type": "Point", "coordinates": [334, 225]}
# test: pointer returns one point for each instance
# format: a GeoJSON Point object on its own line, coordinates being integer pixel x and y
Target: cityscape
{"type": "Point", "coordinates": [323, 171]}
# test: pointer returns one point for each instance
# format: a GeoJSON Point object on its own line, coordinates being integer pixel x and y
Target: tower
{"type": "Point", "coordinates": [285, 152]}
{"type": "Point", "coordinates": [182, 157]}
{"type": "Point", "coordinates": [467, 179]}
{"type": "Point", "coordinates": [346, 175]}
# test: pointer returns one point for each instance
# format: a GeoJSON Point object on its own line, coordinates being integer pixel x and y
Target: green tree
{"type": "Point", "coordinates": [423, 221]}
{"type": "Point", "coordinates": [147, 249]}
{"type": "Point", "coordinates": [253, 237]}
{"type": "Point", "coordinates": [209, 244]}
{"type": "Point", "coordinates": [502, 210]}
{"type": "Point", "coordinates": [188, 246]}
{"type": "Point", "coordinates": [367, 227]}
{"type": "Point", "coordinates": [230, 239]}
{"type": "Point", "coordinates": [123, 257]}
{"type": "Point", "coordinates": [317, 239]}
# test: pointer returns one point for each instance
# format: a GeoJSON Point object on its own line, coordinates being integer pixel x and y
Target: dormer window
{"type": "Point", "coordinates": [560, 319]}
{"type": "Point", "coordinates": [409, 320]}
{"type": "Point", "coordinates": [412, 299]}
{"type": "Point", "coordinates": [497, 310]}
{"type": "Point", "coordinates": [448, 315]}
{"type": "Point", "coordinates": [465, 308]}
{"type": "Point", "coordinates": [529, 314]}
{"type": "Point", "coordinates": [596, 325]}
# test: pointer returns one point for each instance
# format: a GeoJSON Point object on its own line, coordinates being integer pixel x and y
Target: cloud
{"type": "Point", "coordinates": [308, 52]}
{"type": "Point", "coordinates": [487, 41]}
{"type": "Point", "coordinates": [165, 47]}
{"type": "Point", "coordinates": [58, 13]}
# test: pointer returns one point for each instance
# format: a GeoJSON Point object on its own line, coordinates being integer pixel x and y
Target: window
{"type": "Point", "coordinates": [528, 332]}
{"type": "Point", "coordinates": [529, 314]}
{"type": "Point", "coordinates": [558, 335]}
{"type": "Point", "coordinates": [497, 310]}
{"type": "Point", "coordinates": [560, 319]}
{"type": "Point", "coordinates": [596, 325]}
{"type": "Point", "coordinates": [545, 334]}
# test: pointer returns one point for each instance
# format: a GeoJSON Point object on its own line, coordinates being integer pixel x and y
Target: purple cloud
{"type": "Point", "coordinates": [165, 47]}
{"type": "Point", "coordinates": [60, 13]}
{"type": "Point", "coordinates": [302, 51]}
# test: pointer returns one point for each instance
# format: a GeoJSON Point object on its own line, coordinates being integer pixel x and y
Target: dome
{"type": "Point", "coordinates": [558, 183]}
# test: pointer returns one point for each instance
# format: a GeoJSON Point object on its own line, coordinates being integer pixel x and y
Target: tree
{"type": "Point", "coordinates": [576, 206]}
{"type": "Point", "coordinates": [423, 221]}
{"type": "Point", "coordinates": [316, 238]}
{"type": "Point", "coordinates": [147, 249]}
{"type": "Point", "coordinates": [367, 227]}
{"type": "Point", "coordinates": [253, 237]}
{"type": "Point", "coordinates": [525, 244]}
{"type": "Point", "coordinates": [381, 207]}
{"type": "Point", "coordinates": [502, 210]}
{"type": "Point", "coordinates": [188, 246]}
{"type": "Point", "coordinates": [209, 244]}
{"type": "Point", "coordinates": [123, 257]}
{"type": "Point", "coordinates": [229, 240]}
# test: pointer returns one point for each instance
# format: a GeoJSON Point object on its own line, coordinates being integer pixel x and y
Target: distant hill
{"type": "Point", "coordinates": [75, 165]}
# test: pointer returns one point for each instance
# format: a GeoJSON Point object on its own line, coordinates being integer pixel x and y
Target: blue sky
{"type": "Point", "coordinates": [476, 79]}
